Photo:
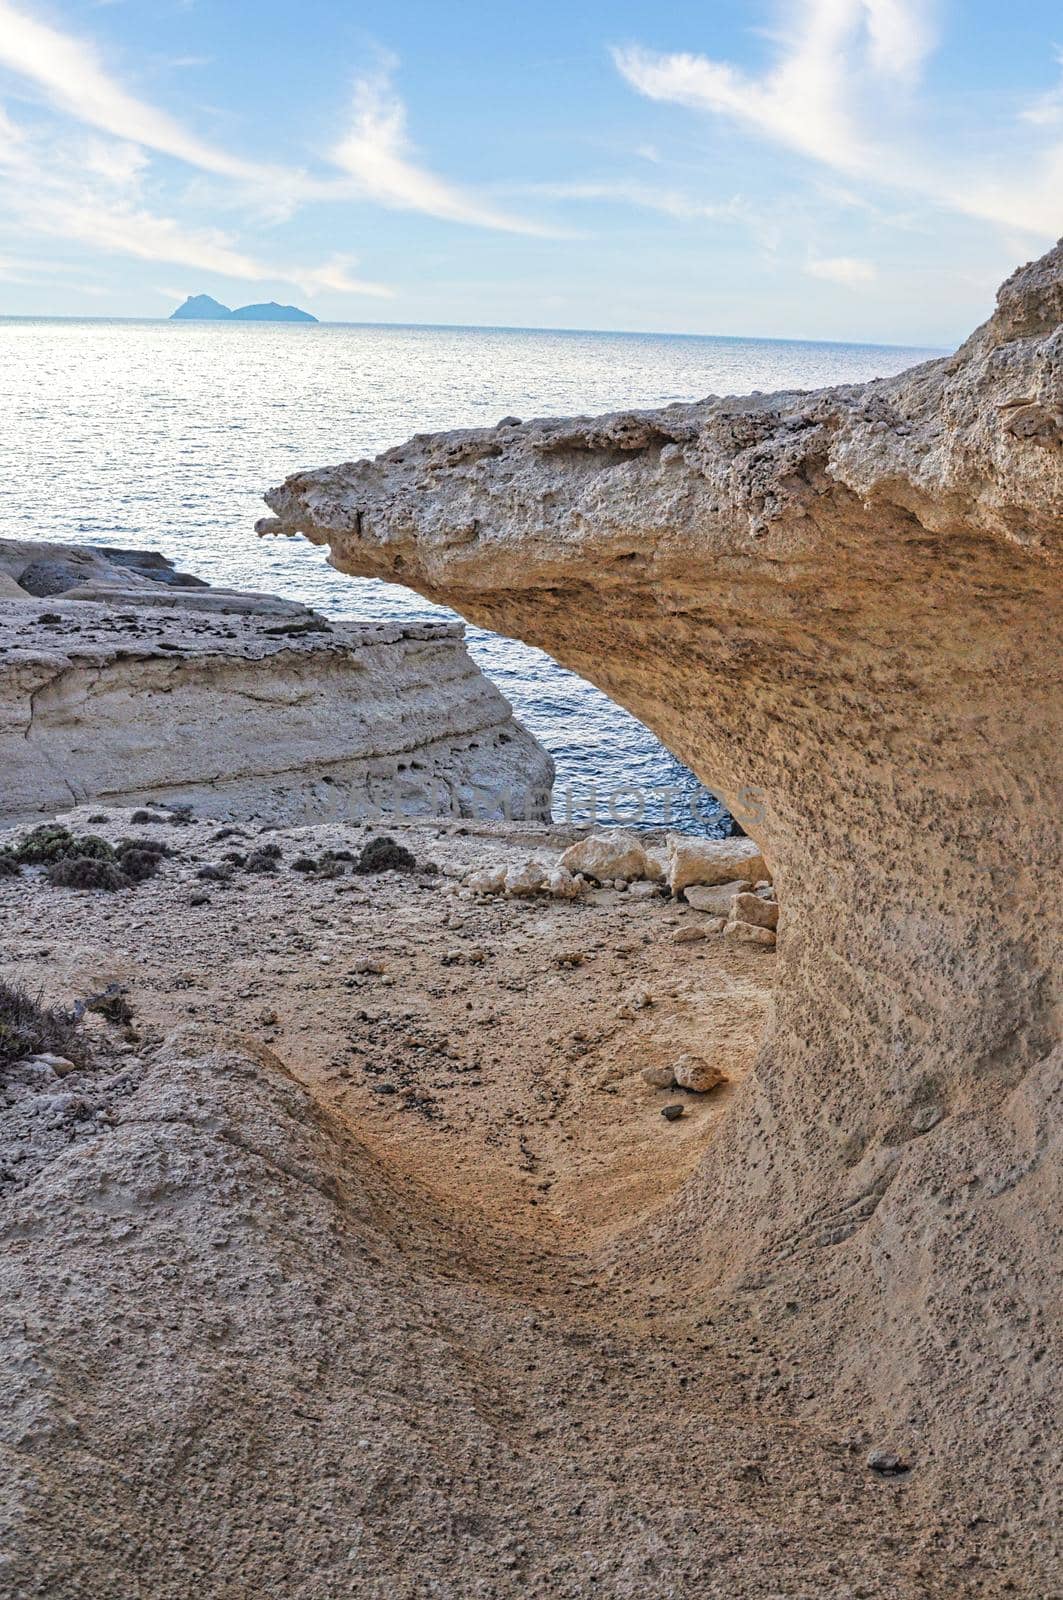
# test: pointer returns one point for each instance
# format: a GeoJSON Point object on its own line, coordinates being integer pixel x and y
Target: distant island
{"type": "Point", "coordinates": [202, 308]}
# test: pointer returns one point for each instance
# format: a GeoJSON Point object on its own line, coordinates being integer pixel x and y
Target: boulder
{"type": "Point", "coordinates": [712, 861]}
{"type": "Point", "coordinates": [487, 880]}
{"type": "Point", "coordinates": [607, 856]}
{"type": "Point", "coordinates": [526, 879]}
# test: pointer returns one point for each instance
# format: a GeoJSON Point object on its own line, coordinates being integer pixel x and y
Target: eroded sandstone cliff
{"type": "Point", "coordinates": [842, 609]}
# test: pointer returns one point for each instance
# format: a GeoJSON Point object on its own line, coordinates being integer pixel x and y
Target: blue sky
{"type": "Point", "coordinates": [834, 169]}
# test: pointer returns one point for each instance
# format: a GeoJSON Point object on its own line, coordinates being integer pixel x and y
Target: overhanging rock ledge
{"type": "Point", "coordinates": [842, 607]}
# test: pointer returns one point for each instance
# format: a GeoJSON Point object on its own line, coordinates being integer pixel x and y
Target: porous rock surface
{"type": "Point", "coordinates": [244, 704]}
{"type": "Point", "coordinates": [841, 609]}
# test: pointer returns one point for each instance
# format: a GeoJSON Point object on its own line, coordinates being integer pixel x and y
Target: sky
{"type": "Point", "coordinates": [826, 169]}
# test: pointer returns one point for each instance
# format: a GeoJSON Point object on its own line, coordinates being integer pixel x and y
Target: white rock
{"type": "Point", "coordinates": [563, 886]}
{"type": "Point", "coordinates": [712, 861]}
{"type": "Point", "coordinates": [643, 890]}
{"type": "Point", "coordinates": [607, 856]}
{"type": "Point", "coordinates": [691, 1072]}
{"type": "Point", "coordinates": [526, 879]}
{"type": "Point", "coordinates": [486, 880]}
{"type": "Point", "coordinates": [715, 898]}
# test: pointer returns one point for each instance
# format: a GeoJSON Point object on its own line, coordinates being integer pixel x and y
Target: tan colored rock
{"type": "Point", "coordinates": [841, 609]}
{"type": "Point", "coordinates": [691, 1072]}
{"type": "Point", "coordinates": [487, 880]}
{"type": "Point", "coordinates": [749, 933]}
{"type": "Point", "coordinates": [564, 885]}
{"type": "Point", "coordinates": [659, 1077]}
{"type": "Point", "coordinates": [753, 908]}
{"type": "Point", "coordinates": [526, 879]}
{"type": "Point", "coordinates": [694, 861]}
{"type": "Point", "coordinates": [606, 856]}
{"type": "Point", "coordinates": [717, 898]}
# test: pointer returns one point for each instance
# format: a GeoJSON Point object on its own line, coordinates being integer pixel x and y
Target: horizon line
{"type": "Point", "coordinates": [491, 327]}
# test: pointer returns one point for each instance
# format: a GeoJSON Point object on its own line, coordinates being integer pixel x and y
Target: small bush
{"type": "Point", "coordinates": [264, 859]}
{"type": "Point", "coordinates": [86, 872]}
{"type": "Point", "coordinates": [139, 865]}
{"type": "Point", "coordinates": [383, 854]}
{"type": "Point", "coordinates": [49, 842]}
{"type": "Point", "coordinates": [28, 1028]}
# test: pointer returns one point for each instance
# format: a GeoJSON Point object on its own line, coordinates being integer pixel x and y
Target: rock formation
{"type": "Point", "coordinates": [841, 609]}
{"type": "Point", "coordinates": [131, 687]}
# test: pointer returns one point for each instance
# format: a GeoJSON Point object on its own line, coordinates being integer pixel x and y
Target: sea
{"type": "Point", "coordinates": [164, 435]}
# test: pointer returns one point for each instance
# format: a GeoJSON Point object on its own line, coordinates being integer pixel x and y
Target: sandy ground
{"type": "Point", "coordinates": [482, 1059]}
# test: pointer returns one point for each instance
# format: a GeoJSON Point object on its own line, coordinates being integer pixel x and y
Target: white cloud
{"type": "Point", "coordinates": [69, 73]}
{"type": "Point", "coordinates": [377, 155]}
{"type": "Point", "coordinates": [335, 276]}
{"type": "Point", "coordinates": [1047, 110]}
{"type": "Point", "coordinates": [850, 271]}
{"type": "Point", "coordinates": [844, 62]}
{"type": "Point", "coordinates": [648, 197]}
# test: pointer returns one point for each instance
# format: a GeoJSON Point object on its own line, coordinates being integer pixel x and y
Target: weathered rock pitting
{"type": "Point", "coordinates": [842, 610]}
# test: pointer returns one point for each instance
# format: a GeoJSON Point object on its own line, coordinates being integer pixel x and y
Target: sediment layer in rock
{"type": "Point", "coordinates": [260, 709]}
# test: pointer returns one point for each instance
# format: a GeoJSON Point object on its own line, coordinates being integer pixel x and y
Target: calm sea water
{"type": "Point", "coordinates": [164, 435]}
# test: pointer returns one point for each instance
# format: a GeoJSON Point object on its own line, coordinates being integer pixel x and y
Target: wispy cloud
{"type": "Point", "coordinates": [376, 153]}
{"type": "Point", "coordinates": [843, 61]}
{"type": "Point", "coordinates": [337, 276]}
{"type": "Point", "coordinates": [69, 74]}
{"type": "Point", "coordinates": [850, 271]}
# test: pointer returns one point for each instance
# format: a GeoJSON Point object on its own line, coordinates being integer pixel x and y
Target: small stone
{"type": "Point", "coordinates": [641, 1000]}
{"type": "Point", "coordinates": [643, 891]}
{"type": "Point", "coordinates": [659, 1077]}
{"type": "Point", "coordinates": [60, 1065]}
{"type": "Point", "coordinates": [926, 1117]}
{"type": "Point", "coordinates": [749, 933]}
{"type": "Point", "coordinates": [199, 899]}
{"type": "Point", "coordinates": [369, 967]}
{"type": "Point", "coordinates": [570, 958]}
{"type": "Point", "coordinates": [691, 1072]}
{"type": "Point", "coordinates": [755, 909]}
{"type": "Point", "coordinates": [886, 1464]}
{"type": "Point", "coordinates": [696, 932]}
{"type": "Point", "coordinates": [715, 898]}
{"type": "Point", "coordinates": [672, 1113]}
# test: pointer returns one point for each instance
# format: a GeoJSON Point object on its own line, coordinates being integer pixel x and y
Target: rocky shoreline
{"type": "Point", "coordinates": [239, 704]}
